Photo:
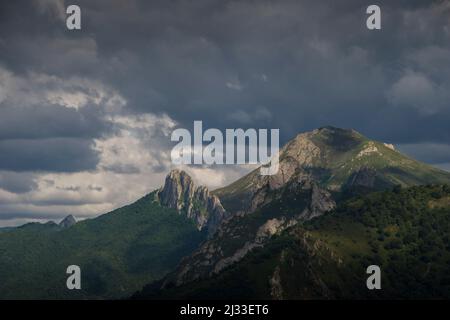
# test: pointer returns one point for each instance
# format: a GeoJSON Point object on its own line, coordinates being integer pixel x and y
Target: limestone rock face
{"type": "Point", "coordinates": [177, 188]}
{"type": "Point", "coordinates": [218, 253]}
{"type": "Point", "coordinates": [197, 203]}
{"type": "Point", "coordinates": [67, 222]}
{"type": "Point", "coordinates": [303, 150]}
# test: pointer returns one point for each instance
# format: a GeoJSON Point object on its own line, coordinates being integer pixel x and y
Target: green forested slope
{"type": "Point", "coordinates": [117, 252]}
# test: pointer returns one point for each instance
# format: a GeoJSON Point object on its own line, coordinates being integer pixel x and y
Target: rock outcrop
{"type": "Point", "coordinates": [197, 203]}
{"type": "Point", "coordinates": [245, 231]}
{"type": "Point", "coordinates": [67, 222]}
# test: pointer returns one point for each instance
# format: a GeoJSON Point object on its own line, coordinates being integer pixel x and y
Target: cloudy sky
{"type": "Point", "coordinates": [86, 116]}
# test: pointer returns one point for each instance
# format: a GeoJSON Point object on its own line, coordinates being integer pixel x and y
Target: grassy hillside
{"type": "Point", "coordinates": [404, 231]}
{"type": "Point", "coordinates": [117, 252]}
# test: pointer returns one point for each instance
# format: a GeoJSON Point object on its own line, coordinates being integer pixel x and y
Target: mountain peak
{"type": "Point", "coordinates": [67, 221]}
{"type": "Point", "coordinates": [178, 174]}
{"type": "Point", "coordinates": [337, 160]}
{"type": "Point", "coordinates": [177, 184]}
{"type": "Point", "coordinates": [337, 137]}
{"type": "Point", "coordinates": [179, 192]}
{"type": "Point", "coordinates": [333, 129]}
{"type": "Point", "coordinates": [312, 147]}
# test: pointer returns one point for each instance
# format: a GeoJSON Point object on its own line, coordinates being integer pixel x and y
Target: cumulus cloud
{"type": "Point", "coordinates": [415, 90]}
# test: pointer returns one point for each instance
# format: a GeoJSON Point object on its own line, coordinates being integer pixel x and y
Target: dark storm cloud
{"type": "Point", "coordinates": [307, 63]}
{"type": "Point", "coordinates": [48, 127]}
{"type": "Point", "coordinates": [17, 182]}
{"type": "Point", "coordinates": [56, 154]}
{"type": "Point", "coordinates": [51, 121]}
{"type": "Point", "coordinates": [427, 152]}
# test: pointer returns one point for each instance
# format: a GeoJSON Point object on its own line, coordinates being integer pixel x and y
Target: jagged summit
{"type": "Point", "coordinates": [68, 221]}
{"type": "Point", "coordinates": [179, 192]}
{"type": "Point", "coordinates": [177, 186]}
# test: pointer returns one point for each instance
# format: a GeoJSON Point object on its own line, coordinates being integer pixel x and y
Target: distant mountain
{"type": "Point", "coordinates": [49, 226]}
{"type": "Point", "coordinates": [406, 232]}
{"type": "Point", "coordinates": [317, 170]}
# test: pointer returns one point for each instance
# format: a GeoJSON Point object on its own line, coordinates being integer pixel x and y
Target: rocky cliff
{"type": "Point", "coordinates": [67, 222]}
{"type": "Point", "coordinates": [197, 203]}
{"type": "Point", "coordinates": [300, 199]}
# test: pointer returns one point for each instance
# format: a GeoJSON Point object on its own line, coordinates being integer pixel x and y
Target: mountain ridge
{"type": "Point", "coordinates": [317, 169]}
{"type": "Point", "coordinates": [118, 252]}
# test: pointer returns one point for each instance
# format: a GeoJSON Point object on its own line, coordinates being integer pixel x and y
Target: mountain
{"type": "Point", "coordinates": [404, 231]}
{"type": "Point", "coordinates": [117, 252]}
{"type": "Point", "coordinates": [67, 222]}
{"type": "Point", "coordinates": [49, 226]}
{"type": "Point", "coordinates": [318, 169]}
{"type": "Point", "coordinates": [338, 160]}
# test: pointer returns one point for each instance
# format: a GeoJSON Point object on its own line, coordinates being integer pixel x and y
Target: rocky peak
{"type": "Point", "coordinates": [313, 149]}
{"type": "Point", "coordinates": [67, 222]}
{"type": "Point", "coordinates": [334, 139]}
{"type": "Point", "coordinates": [302, 150]}
{"type": "Point", "coordinates": [329, 156]}
{"type": "Point", "coordinates": [177, 188]}
{"type": "Point", "coordinates": [197, 203]}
